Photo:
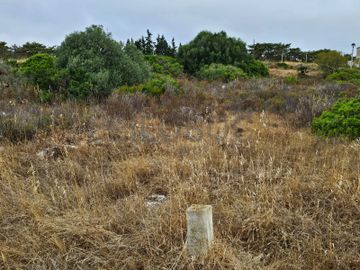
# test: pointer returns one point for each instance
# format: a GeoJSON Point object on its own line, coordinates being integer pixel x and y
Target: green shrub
{"type": "Point", "coordinates": [254, 68]}
{"type": "Point", "coordinates": [346, 75]}
{"type": "Point", "coordinates": [291, 80]}
{"type": "Point", "coordinates": [343, 119]}
{"type": "Point", "coordinates": [40, 70]}
{"type": "Point", "coordinates": [156, 86]}
{"type": "Point", "coordinates": [302, 70]}
{"type": "Point", "coordinates": [219, 72]}
{"type": "Point", "coordinates": [95, 63]}
{"type": "Point", "coordinates": [330, 62]}
{"type": "Point", "coordinates": [282, 65]}
{"type": "Point", "coordinates": [208, 48]}
{"type": "Point", "coordinates": [165, 65]}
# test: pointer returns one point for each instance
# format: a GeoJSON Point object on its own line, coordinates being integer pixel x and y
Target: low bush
{"type": "Point", "coordinates": [302, 70]}
{"type": "Point", "coordinates": [330, 62]}
{"type": "Point", "coordinates": [343, 119]}
{"type": "Point", "coordinates": [165, 65]}
{"type": "Point", "coordinates": [254, 68]}
{"type": "Point", "coordinates": [282, 65]}
{"type": "Point", "coordinates": [156, 86]}
{"type": "Point", "coordinates": [40, 70]}
{"type": "Point", "coordinates": [291, 80]}
{"type": "Point", "coordinates": [219, 72]}
{"type": "Point", "coordinates": [345, 76]}
{"type": "Point", "coordinates": [17, 129]}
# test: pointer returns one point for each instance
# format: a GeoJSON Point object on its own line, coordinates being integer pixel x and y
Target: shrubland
{"type": "Point", "coordinates": [277, 158]}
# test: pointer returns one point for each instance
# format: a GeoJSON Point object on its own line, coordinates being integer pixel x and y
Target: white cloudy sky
{"type": "Point", "coordinates": [309, 24]}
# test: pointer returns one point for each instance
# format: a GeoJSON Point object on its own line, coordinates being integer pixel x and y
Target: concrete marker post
{"type": "Point", "coordinates": [200, 233]}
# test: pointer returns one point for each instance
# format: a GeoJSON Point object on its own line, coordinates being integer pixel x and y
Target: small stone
{"type": "Point", "coordinates": [155, 200]}
{"type": "Point", "coordinates": [50, 153]}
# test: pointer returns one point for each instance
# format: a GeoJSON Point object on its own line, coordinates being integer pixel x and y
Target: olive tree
{"type": "Point", "coordinates": [95, 64]}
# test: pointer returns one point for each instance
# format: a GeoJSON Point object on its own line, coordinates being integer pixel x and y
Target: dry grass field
{"type": "Point", "coordinates": [77, 180]}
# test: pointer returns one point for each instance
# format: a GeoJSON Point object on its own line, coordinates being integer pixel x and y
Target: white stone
{"type": "Point", "coordinates": [200, 233]}
{"type": "Point", "coordinates": [155, 200]}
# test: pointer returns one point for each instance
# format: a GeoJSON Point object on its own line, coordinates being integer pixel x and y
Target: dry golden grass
{"type": "Point", "coordinates": [292, 70]}
{"type": "Point", "coordinates": [282, 198]}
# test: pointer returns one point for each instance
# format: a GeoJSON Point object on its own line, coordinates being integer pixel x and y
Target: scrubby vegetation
{"type": "Point", "coordinates": [158, 85]}
{"type": "Point", "coordinates": [92, 133]}
{"type": "Point", "coordinates": [165, 65]}
{"type": "Point", "coordinates": [346, 76]}
{"type": "Point", "coordinates": [330, 62]}
{"type": "Point", "coordinates": [219, 72]}
{"type": "Point", "coordinates": [343, 119]}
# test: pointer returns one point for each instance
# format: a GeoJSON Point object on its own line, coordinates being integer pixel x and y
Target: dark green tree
{"type": "Point", "coordinates": [32, 48]}
{"type": "Point", "coordinates": [4, 50]}
{"type": "Point", "coordinates": [270, 51]}
{"type": "Point", "coordinates": [207, 48]}
{"type": "Point", "coordinates": [149, 44]}
{"type": "Point", "coordinates": [173, 48]}
{"type": "Point", "coordinates": [162, 47]}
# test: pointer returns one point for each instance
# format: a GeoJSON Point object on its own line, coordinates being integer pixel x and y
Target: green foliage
{"type": "Point", "coordinates": [302, 70]}
{"type": "Point", "coordinates": [32, 48]}
{"type": "Point", "coordinates": [330, 61]}
{"type": "Point", "coordinates": [156, 86]}
{"type": "Point", "coordinates": [160, 47]}
{"type": "Point", "coordinates": [208, 48]}
{"type": "Point", "coordinates": [343, 119]}
{"type": "Point", "coordinates": [4, 50]}
{"type": "Point", "coordinates": [291, 80]}
{"type": "Point", "coordinates": [95, 63]}
{"type": "Point", "coordinates": [219, 72]}
{"type": "Point", "coordinates": [269, 51]}
{"type": "Point", "coordinates": [282, 65]}
{"type": "Point", "coordinates": [40, 70]}
{"type": "Point", "coordinates": [165, 65]}
{"type": "Point", "coordinates": [346, 75]}
{"type": "Point", "coordinates": [254, 68]}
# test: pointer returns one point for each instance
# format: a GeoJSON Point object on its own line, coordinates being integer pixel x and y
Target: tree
{"type": "Point", "coordinates": [4, 50]}
{"type": "Point", "coordinates": [173, 48]}
{"type": "Point", "coordinates": [95, 63]}
{"type": "Point", "coordinates": [270, 51]}
{"type": "Point", "coordinates": [140, 44]}
{"type": "Point", "coordinates": [32, 48]}
{"type": "Point", "coordinates": [330, 62]}
{"type": "Point", "coordinates": [149, 44]}
{"type": "Point", "coordinates": [162, 47]}
{"type": "Point", "coordinates": [208, 48]}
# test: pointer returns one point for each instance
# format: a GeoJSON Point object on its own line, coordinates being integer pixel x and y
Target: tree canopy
{"type": "Point", "coordinates": [217, 48]}
{"type": "Point", "coordinates": [95, 63]}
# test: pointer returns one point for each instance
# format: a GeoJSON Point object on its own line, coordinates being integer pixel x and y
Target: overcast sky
{"type": "Point", "coordinates": [308, 24]}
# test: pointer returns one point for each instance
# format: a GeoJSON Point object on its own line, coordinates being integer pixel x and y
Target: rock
{"type": "Point", "coordinates": [50, 153]}
{"type": "Point", "coordinates": [155, 200]}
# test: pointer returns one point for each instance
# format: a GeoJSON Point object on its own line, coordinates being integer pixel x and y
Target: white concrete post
{"type": "Point", "coordinates": [200, 232]}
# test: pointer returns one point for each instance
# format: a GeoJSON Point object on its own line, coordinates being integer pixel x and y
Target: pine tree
{"type": "Point", "coordinates": [149, 44]}
{"type": "Point", "coordinates": [173, 48]}
{"type": "Point", "coordinates": [162, 47]}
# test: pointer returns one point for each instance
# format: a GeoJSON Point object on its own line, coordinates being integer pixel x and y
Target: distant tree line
{"type": "Point", "coordinates": [159, 47]}
{"type": "Point", "coordinates": [26, 50]}
{"type": "Point", "coordinates": [282, 52]}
